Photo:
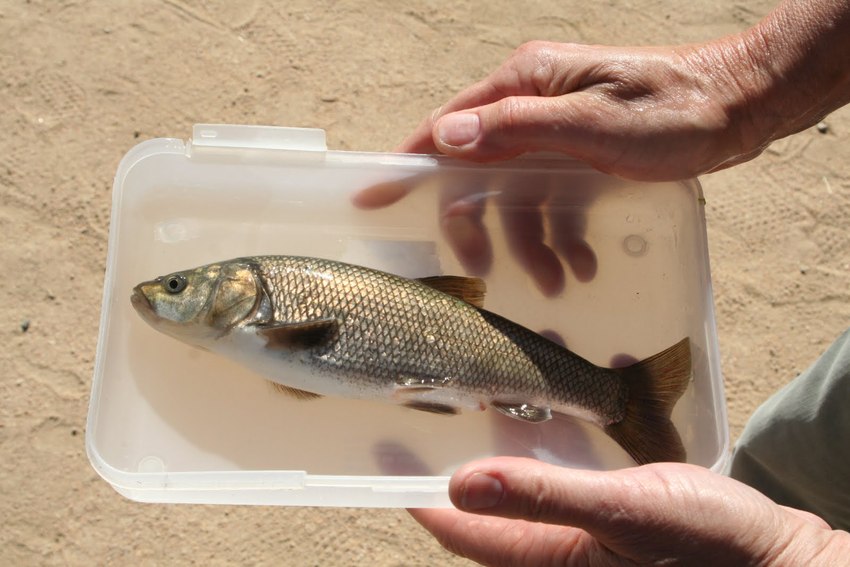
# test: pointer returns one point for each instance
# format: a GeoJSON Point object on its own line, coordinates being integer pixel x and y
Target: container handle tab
{"type": "Point", "coordinates": [259, 137]}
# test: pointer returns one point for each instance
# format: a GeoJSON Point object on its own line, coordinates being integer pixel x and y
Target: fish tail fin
{"type": "Point", "coordinates": [655, 385]}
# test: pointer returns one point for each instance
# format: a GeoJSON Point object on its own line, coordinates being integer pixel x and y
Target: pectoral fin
{"type": "Point", "coordinates": [523, 412]}
{"type": "Point", "coordinates": [470, 290]}
{"type": "Point", "coordinates": [290, 336]}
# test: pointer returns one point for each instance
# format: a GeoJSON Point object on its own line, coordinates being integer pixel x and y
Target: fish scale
{"type": "Point", "coordinates": [385, 325]}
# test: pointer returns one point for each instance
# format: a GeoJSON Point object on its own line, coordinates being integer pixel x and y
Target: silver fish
{"type": "Point", "coordinates": [318, 327]}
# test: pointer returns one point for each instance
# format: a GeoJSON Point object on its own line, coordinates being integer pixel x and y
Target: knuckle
{"type": "Point", "coordinates": [537, 63]}
{"type": "Point", "coordinates": [532, 48]}
{"type": "Point", "coordinates": [539, 501]}
{"type": "Point", "coordinates": [510, 112]}
{"type": "Point", "coordinates": [533, 55]}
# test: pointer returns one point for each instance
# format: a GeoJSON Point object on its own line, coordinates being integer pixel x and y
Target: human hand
{"type": "Point", "coordinates": [644, 113]}
{"type": "Point", "coordinates": [654, 113]}
{"type": "Point", "coordinates": [647, 113]}
{"type": "Point", "coordinates": [514, 511]}
{"type": "Point", "coordinates": [542, 219]}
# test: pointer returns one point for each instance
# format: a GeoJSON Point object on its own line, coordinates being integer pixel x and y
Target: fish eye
{"type": "Point", "coordinates": [174, 283]}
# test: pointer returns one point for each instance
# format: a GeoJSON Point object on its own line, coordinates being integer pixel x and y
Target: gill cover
{"type": "Point", "coordinates": [236, 296]}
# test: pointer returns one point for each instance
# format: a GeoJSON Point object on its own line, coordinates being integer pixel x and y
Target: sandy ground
{"type": "Point", "coordinates": [82, 82]}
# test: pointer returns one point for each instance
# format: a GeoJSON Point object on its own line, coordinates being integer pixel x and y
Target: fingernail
{"type": "Point", "coordinates": [481, 491]}
{"type": "Point", "coordinates": [458, 129]}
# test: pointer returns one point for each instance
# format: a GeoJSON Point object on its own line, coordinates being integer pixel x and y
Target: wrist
{"type": "Point", "coordinates": [802, 47]}
{"type": "Point", "coordinates": [742, 90]}
{"type": "Point", "coordinates": [780, 76]}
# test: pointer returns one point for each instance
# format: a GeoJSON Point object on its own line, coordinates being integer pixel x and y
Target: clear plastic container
{"type": "Point", "coordinates": [170, 423]}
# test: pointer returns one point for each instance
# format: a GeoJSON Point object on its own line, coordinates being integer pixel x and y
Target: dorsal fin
{"type": "Point", "coordinates": [470, 290]}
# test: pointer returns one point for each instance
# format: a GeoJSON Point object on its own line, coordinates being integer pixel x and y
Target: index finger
{"type": "Point", "coordinates": [515, 77]}
{"type": "Point", "coordinates": [421, 140]}
{"type": "Point", "coordinates": [624, 510]}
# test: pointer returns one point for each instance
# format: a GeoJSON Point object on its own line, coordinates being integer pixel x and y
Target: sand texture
{"type": "Point", "coordinates": [82, 82]}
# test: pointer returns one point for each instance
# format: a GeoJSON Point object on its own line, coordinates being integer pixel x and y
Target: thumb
{"type": "Point", "coordinates": [512, 126]}
{"type": "Point", "coordinates": [623, 510]}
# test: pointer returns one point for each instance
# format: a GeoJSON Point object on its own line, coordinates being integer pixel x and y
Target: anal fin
{"type": "Point", "coordinates": [431, 407]}
{"type": "Point", "coordinates": [295, 392]}
{"type": "Point", "coordinates": [523, 412]}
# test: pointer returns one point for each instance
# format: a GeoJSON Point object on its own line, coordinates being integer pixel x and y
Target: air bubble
{"type": "Point", "coordinates": [175, 230]}
{"type": "Point", "coordinates": [634, 245]}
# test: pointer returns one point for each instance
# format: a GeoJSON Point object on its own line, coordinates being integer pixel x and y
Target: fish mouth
{"type": "Point", "coordinates": [140, 300]}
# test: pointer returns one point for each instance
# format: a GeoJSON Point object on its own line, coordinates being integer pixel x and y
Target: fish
{"type": "Point", "coordinates": [317, 327]}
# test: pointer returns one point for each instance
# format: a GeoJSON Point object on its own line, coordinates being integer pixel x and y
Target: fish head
{"type": "Point", "coordinates": [200, 304]}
